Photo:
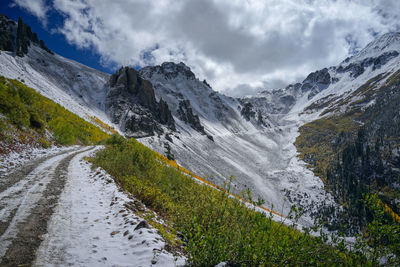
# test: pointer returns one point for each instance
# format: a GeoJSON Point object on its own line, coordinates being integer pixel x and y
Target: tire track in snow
{"type": "Point", "coordinates": [27, 204]}
{"type": "Point", "coordinates": [13, 177]}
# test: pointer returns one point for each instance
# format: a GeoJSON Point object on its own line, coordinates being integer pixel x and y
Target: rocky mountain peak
{"type": "Point", "coordinates": [316, 82]}
{"type": "Point", "coordinates": [388, 43]}
{"type": "Point", "coordinates": [173, 69]}
{"type": "Point", "coordinates": [318, 77]}
{"type": "Point", "coordinates": [131, 102]}
{"type": "Point", "coordinates": [169, 70]}
{"type": "Point", "coordinates": [129, 82]}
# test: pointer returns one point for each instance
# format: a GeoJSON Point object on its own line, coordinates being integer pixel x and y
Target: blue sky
{"type": "Point", "coordinates": [239, 46]}
{"type": "Point", "coordinates": [55, 41]}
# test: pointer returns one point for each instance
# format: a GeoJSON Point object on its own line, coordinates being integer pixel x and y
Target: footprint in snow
{"type": "Point", "coordinates": [114, 233]}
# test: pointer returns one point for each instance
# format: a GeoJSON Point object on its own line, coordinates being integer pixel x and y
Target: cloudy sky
{"type": "Point", "coordinates": [239, 46]}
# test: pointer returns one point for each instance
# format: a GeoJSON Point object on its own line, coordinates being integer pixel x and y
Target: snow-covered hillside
{"type": "Point", "coordinates": [75, 86]}
{"type": "Point", "coordinates": [71, 84]}
{"type": "Point", "coordinates": [324, 88]}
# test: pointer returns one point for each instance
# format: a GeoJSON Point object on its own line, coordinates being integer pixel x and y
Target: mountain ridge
{"type": "Point", "coordinates": [214, 135]}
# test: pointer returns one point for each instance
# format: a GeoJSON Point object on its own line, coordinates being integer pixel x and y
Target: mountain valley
{"type": "Point", "coordinates": [319, 145]}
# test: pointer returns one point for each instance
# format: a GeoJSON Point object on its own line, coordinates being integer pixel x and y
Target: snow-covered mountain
{"type": "Point", "coordinates": [69, 83]}
{"type": "Point", "coordinates": [252, 137]}
{"type": "Point", "coordinates": [323, 89]}
{"type": "Point", "coordinates": [213, 135]}
{"type": "Point", "coordinates": [253, 146]}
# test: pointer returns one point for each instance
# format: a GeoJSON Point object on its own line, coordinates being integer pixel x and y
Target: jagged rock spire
{"type": "Point", "coordinates": [24, 38]}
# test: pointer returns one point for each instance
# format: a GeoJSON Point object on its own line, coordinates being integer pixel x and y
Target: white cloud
{"type": "Point", "coordinates": [36, 7]}
{"type": "Point", "coordinates": [236, 45]}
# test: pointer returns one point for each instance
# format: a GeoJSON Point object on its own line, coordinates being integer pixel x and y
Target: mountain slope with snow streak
{"type": "Point", "coordinates": [253, 137]}
{"type": "Point", "coordinates": [218, 136]}
{"type": "Point", "coordinates": [261, 156]}
{"type": "Point", "coordinates": [325, 88]}
{"type": "Point", "coordinates": [76, 87]}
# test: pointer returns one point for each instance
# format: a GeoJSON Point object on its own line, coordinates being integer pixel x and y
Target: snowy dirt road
{"type": "Point", "coordinates": [28, 196]}
{"type": "Point", "coordinates": [58, 211]}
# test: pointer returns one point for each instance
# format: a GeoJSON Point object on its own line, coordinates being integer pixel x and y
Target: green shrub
{"type": "Point", "coordinates": [44, 143]}
{"type": "Point", "coordinates": [35, 120]}
{"type": "Point", "coordinates": [63, 131]}
{"type": "Point", "coordinates": [18, 115]}
{"type": "Point", "coordinates": [115, 139]}
{"type": "Point", "coordinates": [381, 237]}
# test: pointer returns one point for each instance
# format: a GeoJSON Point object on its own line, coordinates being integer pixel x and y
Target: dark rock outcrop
{"type": "Point", "coordinates": [185, 113]}
{"type": "Point", "coordinates": [128, 79]}
{"type": "Point", "coordinates": [25, 37]}
{"type": "Point", "coordinates": [261, 120]}
{"type": "Point", "coordinates": [131, 102]}
{"type": "Point", "coordinates": [288, 100]}
{"type": "Point", "coordinates": [165, 116]}
{"type": "Point", "coordinates": [358, 68]}
{"type": "Point", "coordinates": [383, 59]}
{"type": "Point", "coordinates": [142, 224]}
{"type": "Point", "coordinates": [206, 83]}
{"type": "Point", "coordinates": [7, 28]}
{"type": "Point", "coordinates": [247, 111]}
{"type": "Point", "coordinates": [316, 82]}
{"type": "Point", "coordinates": [320, 77]}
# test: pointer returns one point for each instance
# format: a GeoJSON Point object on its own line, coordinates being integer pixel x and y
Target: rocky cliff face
{"type": "Point", "coordinates": [358, 68]}
{"type": "Point", "coordinates": [194, 104]}
{"type": "Point", "coordinates": [7, 36]}
{"type": "Point", "coordinates": [185, 112]}
{"type": "Point", "coordinates": [131, 103]}
{"type": "Point", "coordinates": [170, 71]}
{"type": "Point", "coordinates": [24, 38]}
{"type": "Point", "coordinates": [17, 37]}
{"type": "Point", "coordinates": [316, 82]}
